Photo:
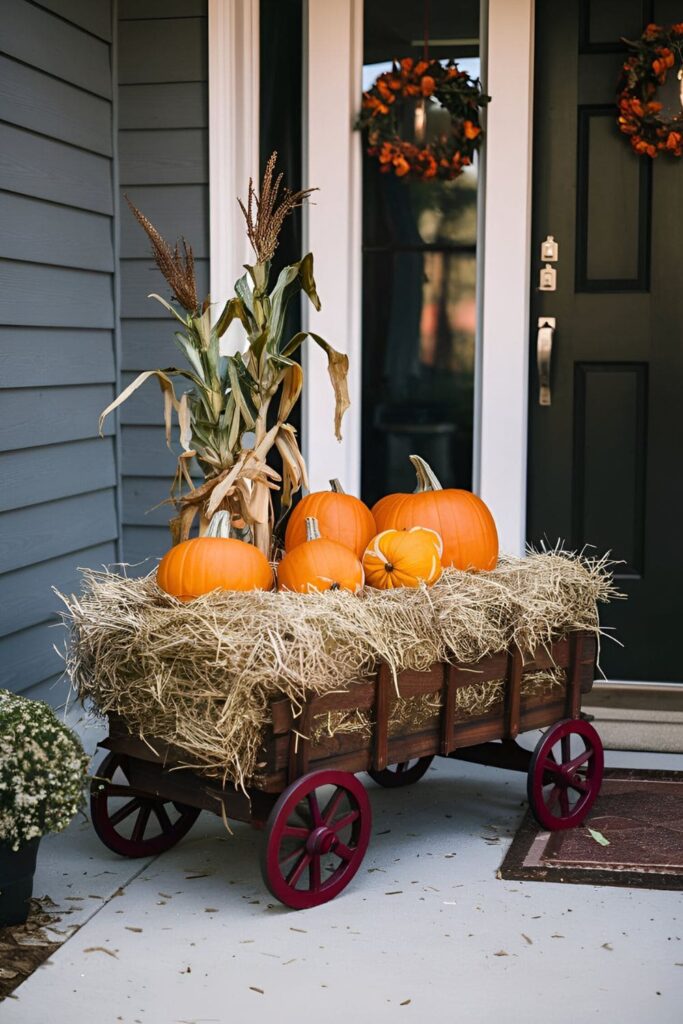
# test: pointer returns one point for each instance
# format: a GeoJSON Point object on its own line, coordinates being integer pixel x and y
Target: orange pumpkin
{"type": "Point", "coordinates": [403, 558]}
{"type": "Point", "coordinates": [319, 564]}
{"type": "Point", "coordinates": [462, 520]}
{"type": "Point", "coordinates": [213, 562]}
{"type": "Point", "coordinates": [340, 516]}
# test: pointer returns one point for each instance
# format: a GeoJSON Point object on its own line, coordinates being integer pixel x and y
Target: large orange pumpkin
{"type": "Point", "coordinates": [319, 564]}
{"type": "Point", "coordinates": [462, 520]}
{"type": "Point", "coordinates": [403, 558]}
{"type": "Point", "coordinates": [213, 562]}
{"type": "Point", "coordinates": [340, 516]}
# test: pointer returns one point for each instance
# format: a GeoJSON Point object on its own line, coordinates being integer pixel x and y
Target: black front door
{"type": "Point", "coordinates": [606, 455]}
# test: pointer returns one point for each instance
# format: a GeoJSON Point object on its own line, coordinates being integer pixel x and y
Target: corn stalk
{"type": "Point", "coordinates": [231, 395]}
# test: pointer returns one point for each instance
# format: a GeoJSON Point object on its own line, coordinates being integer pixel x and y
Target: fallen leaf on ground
{"type": "Point", "coordinates": [501, 952]}
{"type": "Point", "coordinates": [210, 910]}
{"type": "Point", "coordinates": [255, 989]}
{"type": "Point", "coordinates": [405, 1002]}
{"type": "Point", "coordinates": [101, 949]}
{"type": "Point", "coordinates": [598, 837]}
{"type": "Point", "coordinates": [130, 928]}
{"type": "Point", "coordinates": [527, 939]}
{"type": "Point", "coordinates": [607, 945]}
{"type": "Point", "coordinates": [292, 929]}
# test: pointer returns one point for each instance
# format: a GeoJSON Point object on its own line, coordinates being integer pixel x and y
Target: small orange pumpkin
{"type": "Point", "coordinates": [215, 561]}
{"type": "Point", "coordinates": [462, 520]}
{"type": "Point", "coordinates": [319, 564]}
{"type": "Point", "coordinates": [403, 558]}
{"type": "Point", "coordinates": [340, 516]}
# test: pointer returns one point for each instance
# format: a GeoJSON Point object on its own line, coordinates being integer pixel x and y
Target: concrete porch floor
{"type": "Point", "coordinates": [425, 930]}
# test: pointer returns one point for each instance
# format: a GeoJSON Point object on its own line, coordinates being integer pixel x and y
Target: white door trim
{"type": "Point", "coordinates": [333, 59]}
{"type": "Point", "coordinates": [501, 474]}
{"type": "Point", "coordinates": [233, 38]}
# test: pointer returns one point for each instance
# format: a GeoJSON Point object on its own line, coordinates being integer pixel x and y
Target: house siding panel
{"type": "Point", "coordinates": [57, 317]}
{"type": "Point", "coordinates": [163, 94]}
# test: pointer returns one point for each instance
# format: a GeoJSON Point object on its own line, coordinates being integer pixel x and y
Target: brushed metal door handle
{"type": "Point", "coordinates": [544, 353]}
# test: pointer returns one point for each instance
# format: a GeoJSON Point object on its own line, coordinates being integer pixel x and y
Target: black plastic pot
{"type": "Point", "coordinates": [17, 868]}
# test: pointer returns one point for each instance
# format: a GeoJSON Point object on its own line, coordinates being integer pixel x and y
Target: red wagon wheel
{"type": "Point", "coordinates": [128, 820]}
{"type": "Point", "coordinates": [565, 774]}
{"type": "Point", "coordinates": [405, 773]}
{"type": "Point", "coordinates": [316, 837]}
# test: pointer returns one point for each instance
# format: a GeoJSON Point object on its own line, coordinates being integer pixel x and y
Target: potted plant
{"type": "Point", "coordinates": [42, 772]}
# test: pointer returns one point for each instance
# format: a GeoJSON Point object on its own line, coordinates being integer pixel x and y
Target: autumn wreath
{"type": "Point", "coordinates": [408, 84]}
{"type": "Point", "coordinates": [640, 114]}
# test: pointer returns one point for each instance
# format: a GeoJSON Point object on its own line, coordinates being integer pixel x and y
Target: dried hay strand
{"type": "Point", "coordinates": [200, 675]}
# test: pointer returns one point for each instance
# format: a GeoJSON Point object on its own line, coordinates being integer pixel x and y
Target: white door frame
{"type": "Point", "coordinates": [333, 61]}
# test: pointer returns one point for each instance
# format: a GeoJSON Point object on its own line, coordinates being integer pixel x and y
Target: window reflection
{"type": "Point", "coordinates": [419, 284]}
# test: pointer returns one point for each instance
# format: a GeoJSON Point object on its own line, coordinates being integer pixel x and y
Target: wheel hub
{"type": "Point", "coordinates": [321, 840]}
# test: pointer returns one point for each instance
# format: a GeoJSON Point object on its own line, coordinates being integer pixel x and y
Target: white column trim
{"type": "Point", "coordinates": [233, 36]}
{"type": "Point", "coordinates": [333, 58]}
{"type": "Point", "coordinates": [504, 365]}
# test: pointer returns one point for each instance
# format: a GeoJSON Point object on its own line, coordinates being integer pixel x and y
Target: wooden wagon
{"type": "Point", "coordinates": [315, 812]}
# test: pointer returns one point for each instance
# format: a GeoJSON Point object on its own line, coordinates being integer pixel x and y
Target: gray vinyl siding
{"type": "Point", "coordinates": [163, 148]}
{"type": "Point", "coordinates": [58, 365]}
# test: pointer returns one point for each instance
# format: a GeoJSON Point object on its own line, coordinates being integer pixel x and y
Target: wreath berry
{"type": "Point", "coordinates": [383, 107]}
{"type": "Point", "coordinates": [646, 69]}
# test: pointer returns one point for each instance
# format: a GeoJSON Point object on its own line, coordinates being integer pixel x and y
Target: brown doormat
{"type": "Point", "coordinates": [639, 812]}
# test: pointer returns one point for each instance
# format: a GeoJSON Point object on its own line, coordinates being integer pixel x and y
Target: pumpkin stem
{"type": "Point", "coordinates": [312, 528]}
{"type": "Point", "coordinates": [219, 525]}
{"type": "Point", "coordinates": [388, 567]}
{"type": "Point", "coordinates": [426, 477]}
{"type": "Point", "coordinates": [336, 487]}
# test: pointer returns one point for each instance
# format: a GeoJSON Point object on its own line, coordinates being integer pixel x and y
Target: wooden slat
{"type": "Point", "coordinates": [163, 51]}
{"type": "Point", "coordinates": [36, 475]}
{"type": "Point", "coordinates": [40, 39]}
{"type": "Point", "coordinates": [26, 595]}
{"type": "Point", "coordinates": [587, 662]}
{"type": "Point", "coordinates": [139, 278]}
{"type": "Point", "coordinates": [542, 661]}
{"type": "Point", "coordinates": [36, 166]}
{"type": "Point", "coordinates": [175, 211]}
{"type": "Point", "coordinates": [40, 232]}
{"type": "Point", "coordinates": [31, 99]}
{"type": "Point", "coordinates": [173, 105]}
{"type": "Point", "coordinates": [448, 709]}
{"type": "Point", "coordinates": [47, 531]}
{"type": "Point", "coordinates": [573, 692]}
{"type": "Point", "coordinates": [482, 671]}
{"type": "Point", "coordinates": [164, 157]}
{"type": "Point", "coordinates": [40, 416]}
{"type": "Point", "coordinates": [37, 296]}
{"type": "Point", "coordinates": [92, 17]}
{"type": "Point", "coordinates": [49, 356]}
{"type": "Point", "coordinates": [513, 694]}
{"type": "Point", "coordinates": [383, 692]}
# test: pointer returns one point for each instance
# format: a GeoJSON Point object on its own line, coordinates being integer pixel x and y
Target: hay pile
{"type": "Point", "coordinates": [201, 675]}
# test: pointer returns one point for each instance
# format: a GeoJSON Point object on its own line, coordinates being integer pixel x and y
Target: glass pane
{"type": "Point", "coordinates": [419, 279]}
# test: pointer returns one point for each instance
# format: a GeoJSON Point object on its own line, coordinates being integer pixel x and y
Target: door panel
{"type": "Point", "coordinates": [605, 457]}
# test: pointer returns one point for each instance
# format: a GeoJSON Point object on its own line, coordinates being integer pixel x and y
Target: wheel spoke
{"type": "Point", "coordinates": [580, 785]}
{"type": "Point", "coordinates": [283, 858]}
{"type": "Point", "coordinates": [332, 805]}
{"type": "Point", "coordinates": [343, 851]}
{"type": "Point", "coordinates": [315, 809]}
{"type": "Point", "coordinates": [554, 795]}
{"type": "Point", "coordinates": [337, 826]}
{"type": "Point", "coordinates": [163, 817]}
{"type": "Point", "coordinates": [551, 768]}
{"type": "Point", "coordinates": [314, 873]}
{"type": "Point", "coordinates": [401, 767]}
{"type": "Point", "coordinates": [585, 756]}
{"type": "Point", "coordinates": [114, 789]}
{"type": "Point", "coordinates": [124, 812]}
{"type": "Point", "coordinates": [296, 831]}
{"type": "Point", "coordinates": [565, 745]}
{"type": "Point", "coordinates": [298, 869]}
{"type": "Point", "coordinates": [141, 824]}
